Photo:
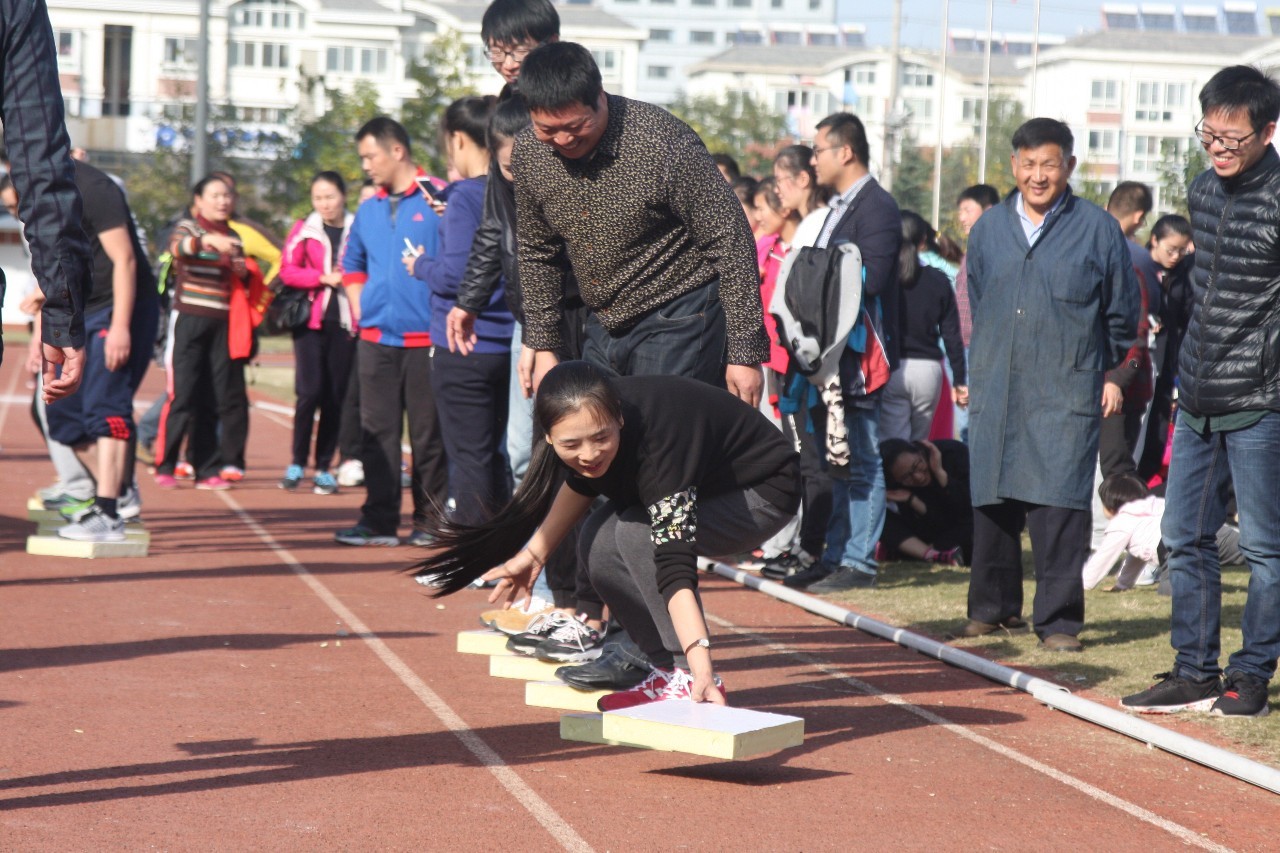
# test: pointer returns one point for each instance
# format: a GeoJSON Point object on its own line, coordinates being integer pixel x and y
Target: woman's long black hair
{"type": "Point", "coordinates": [468, 551]}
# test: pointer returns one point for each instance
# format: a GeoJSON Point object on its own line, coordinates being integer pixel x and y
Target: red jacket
{"type": "Point", "coordinates": [307, 256]}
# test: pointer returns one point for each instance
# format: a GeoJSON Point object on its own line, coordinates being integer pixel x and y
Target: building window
{"type": "Point", "coordinates": [971, 111]}
{"type": "Point", "coordinates": [268, 14]}
{"type": "Point", "coordinates": [1102, 143]}
{"type": "Point", "coordinates": [660, 35]}
{"type": "Point", "coordinates": [1104, 95]}
{"type": "Point", "coordinates": [662, 2]}
{"type": "Point", "coordinates": [659, 72]}
{"type": "Point", "coordinates": [777, 4]}
{"type": "Point", "coordinates": [249, 54]}
{"type": "Point", "coordinates": [784, 37]}
{"type": "Point", "coordinates": [864, 74]}
{"type": "Point", "coordinates": [815, 5]}
{"type": "Point", "coordinates": [704, 2]}
{"type": "Point", "coordinates": [920, 108]}
{"type": "Point", "coordinates": [606, 60]}
{"type": "Point", "coordinates": [66, 43]}
{"type": "Point", "coordinates": [180, 52]}
{"type": "Point", "coordinates": [740, 4]}
{"type": "Point", "coordinates": [350, 60]}
{"type": "Point", "coordinates": [1158, 101]}
{"type": "Point", "coordinates": [702, 37]}
{"type": "Point", "coordinates": [916, 75]}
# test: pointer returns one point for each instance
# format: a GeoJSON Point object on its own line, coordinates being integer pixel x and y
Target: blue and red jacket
{"type": "Point", "coordinates": [395, 307]}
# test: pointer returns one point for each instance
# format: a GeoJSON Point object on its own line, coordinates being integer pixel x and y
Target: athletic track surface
{"type": "Point", "coordinates": [252, 686]}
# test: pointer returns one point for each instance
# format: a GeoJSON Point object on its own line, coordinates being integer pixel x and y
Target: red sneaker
{"type": "Point", "coordinates": [658, 687]}
{"type": "Point", "coordinates": [231, 473]}
{"type": "Point", "coordinates": [213, 484]}
{"type": "Point", "coordinates": [184, 471]}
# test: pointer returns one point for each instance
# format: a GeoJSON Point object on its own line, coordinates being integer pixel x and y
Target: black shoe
{"type": "Point", "coordinates": [1172, 694]}
{"type": "Point", "coordinates": [974, 628]}
{"type": "Point", "coordinates": [844, 578]}
{"type": "Point", "coordinates": [803, 578]}
{"type": "Point", "coordinates": [1243, 696]}
{"type": "Point", "coordinates": [540, 628]}
{"type": "Point", "coordinates": [610, 671]}
{"type": "Point", "coordinates": [782, 566]}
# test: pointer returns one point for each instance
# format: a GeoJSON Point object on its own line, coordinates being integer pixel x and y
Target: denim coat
{"type": "Point", "coordinates": [1048, 321]}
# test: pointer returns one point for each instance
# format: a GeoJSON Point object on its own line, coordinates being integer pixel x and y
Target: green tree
{"type": "Point", "coordinates": [737, 124]}
{"type": "Point", "coordinates": [441, 78]}
{"type": "Point", "coordinates": [317, 144]}
{"type": "Point", "coordinates": [1179, 165]}
{"type": "Point", "coordinates": [913, 179]}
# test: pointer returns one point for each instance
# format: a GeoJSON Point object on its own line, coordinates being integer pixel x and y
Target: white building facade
{"type": "Point", "coordinates": [128, 70]}
{"type": "Point", "coordinates": [682, 33]}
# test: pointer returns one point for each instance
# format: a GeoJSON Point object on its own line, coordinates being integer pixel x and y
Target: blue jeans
{"type": "Point", "coordinates": [857, 501]}
{"type": "Point", "coordinates": [1195, 507]}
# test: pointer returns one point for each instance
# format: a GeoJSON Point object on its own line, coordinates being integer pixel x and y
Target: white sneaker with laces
{"type": "Point", "coordinates": [94, 526]}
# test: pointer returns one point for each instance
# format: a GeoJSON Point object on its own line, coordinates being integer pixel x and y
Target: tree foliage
{"type": "Point", "coordinates": [1179, 165]}
{"type": "Point", "coordinates": [441, 79]}
{"type": "Point", "coordinates": [737, 124]}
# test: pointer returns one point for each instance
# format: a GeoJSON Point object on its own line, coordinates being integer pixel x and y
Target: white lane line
{"type": "Point", "coordinates": [1182, 833]}
{"type": "Point", "coordinates": [560, 830]}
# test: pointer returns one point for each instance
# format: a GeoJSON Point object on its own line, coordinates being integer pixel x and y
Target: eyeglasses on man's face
{"type": "Point", "coordinates": [498, 55]}
{"type": "Point", "coordinates": [1228, 143]}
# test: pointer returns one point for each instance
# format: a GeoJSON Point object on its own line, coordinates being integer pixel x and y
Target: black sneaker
{"type": "Point", "coordinates": [1243, 696]}
{"type": "Point", "coordinates": [1172, 694]}
{"type": "Point", "coordinates": [803, 578]}
{"type": "Point", "coordinates": [610, 671]}
{"type": "Point", "coordinates": [782, 566]}
{"type": "Point", "coordinates": [540, 627]}
{"type": "Point", "coordinates": [572, 642]}
{"type": "Point", "coordinates": [843, 579]}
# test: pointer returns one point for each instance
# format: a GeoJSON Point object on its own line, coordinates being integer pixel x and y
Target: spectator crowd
{"type": "Point", "coordinates": [611, 354]}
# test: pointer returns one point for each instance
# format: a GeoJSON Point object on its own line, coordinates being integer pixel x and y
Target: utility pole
{"type": "Point", "coordinates": [889, 160]}
{"type": "Point", "coordinates": [941, 115]}
{"type": "Point", "coordinates": [200, 133]}
{"type": "Point", "coordinates": [1035, 56]}
{"type": "Point", "coordinates": [986, 99]}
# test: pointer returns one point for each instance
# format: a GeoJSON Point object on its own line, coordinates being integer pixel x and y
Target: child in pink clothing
{"type": "Point", "coordinates": [1133, 531]}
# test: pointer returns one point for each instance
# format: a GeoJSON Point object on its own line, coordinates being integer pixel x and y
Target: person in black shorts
{"type": "Point", "coordinates": [121, 313]}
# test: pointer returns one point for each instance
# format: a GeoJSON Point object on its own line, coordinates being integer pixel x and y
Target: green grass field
{"type": "Point", "coordinates": [1126, 636]}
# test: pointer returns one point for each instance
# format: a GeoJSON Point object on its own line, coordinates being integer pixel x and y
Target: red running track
{"type": "Point", "coordinates": [252, 686]}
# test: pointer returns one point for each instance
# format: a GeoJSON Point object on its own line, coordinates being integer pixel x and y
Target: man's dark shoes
{"type": "Point", "coordinates": [1243, 696]}
{"type": "Point", "coordinates": [974, 628]}
{"type": "Point", "coordinates": [843, 579]}
{"type": "Point", "coordinates": [1172, 694]}
{"type": "Point", "coordinates": [805, 577]}
{"type": "Point", "coordinates": [610, 671]}
{"type": "Point", "coordinates": [1061, 643]}
{"type": "Point", "coordinates": [782, 566]}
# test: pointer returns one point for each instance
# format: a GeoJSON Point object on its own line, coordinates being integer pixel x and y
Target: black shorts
{"type": "Point", "coordinates": [103, 407]}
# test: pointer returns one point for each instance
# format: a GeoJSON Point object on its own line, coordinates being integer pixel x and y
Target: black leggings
{"type": "Point", "coordinates": [323, 359]}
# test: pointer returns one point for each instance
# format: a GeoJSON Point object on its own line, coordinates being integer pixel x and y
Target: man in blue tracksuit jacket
{"type": "Point", "coordinates": [393, 310]}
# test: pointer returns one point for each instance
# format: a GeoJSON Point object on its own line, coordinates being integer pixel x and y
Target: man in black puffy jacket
{"type": "Point", "coordinates": [1229, 422]}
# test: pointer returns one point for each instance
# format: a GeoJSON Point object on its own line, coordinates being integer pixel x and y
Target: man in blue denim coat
{"type": "Point", "coordinates": [1055, 304]}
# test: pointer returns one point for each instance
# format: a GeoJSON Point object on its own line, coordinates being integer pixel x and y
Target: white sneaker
{"type": "Point", "coordinates": [351, 473]}
{"type": "Point", "coordinates": [1148, 575]}
{"type": "Point", "coordinates": [129, 506]}
{"type": "Point", "coordinates": [94, 526]}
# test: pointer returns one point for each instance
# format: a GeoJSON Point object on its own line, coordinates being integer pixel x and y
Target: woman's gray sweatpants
{"type": "Point", "coordinates": [617, 548]}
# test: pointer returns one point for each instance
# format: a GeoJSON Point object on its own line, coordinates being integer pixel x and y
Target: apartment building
{"type": "Point", "coordinates": [129, 70]}
{"type": "Point", "coordinates": [682, 33]}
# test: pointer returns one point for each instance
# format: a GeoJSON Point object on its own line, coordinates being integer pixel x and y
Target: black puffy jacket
{"type": "Point", "coordinates": [1230, 360]}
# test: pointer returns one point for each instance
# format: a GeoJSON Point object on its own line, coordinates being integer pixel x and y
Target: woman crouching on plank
{"type": "Point", "coordinates": [687, 469]}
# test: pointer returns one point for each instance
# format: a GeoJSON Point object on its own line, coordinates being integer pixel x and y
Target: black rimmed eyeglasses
{"type": "Point", "coordinates": [1228, 143]}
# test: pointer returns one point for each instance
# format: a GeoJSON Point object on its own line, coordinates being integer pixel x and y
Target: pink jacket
{"type": "Point", "coordinates": [307, 255]}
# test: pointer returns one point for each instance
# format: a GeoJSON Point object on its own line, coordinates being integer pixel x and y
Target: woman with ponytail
{"type": "Point", "coordinates": [686, 470]}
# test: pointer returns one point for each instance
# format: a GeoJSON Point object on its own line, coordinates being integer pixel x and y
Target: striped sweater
{"type": "Point", "coordinates": [205, 277]}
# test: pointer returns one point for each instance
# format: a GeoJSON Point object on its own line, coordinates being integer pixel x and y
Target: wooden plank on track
{"type": "Point", "coordinates": [701, 728]}
{"type": "Point", "coordinates": [523, 667]}
{"type": "Point", "coordinates": [588, 728]}
{"type": "Point", "coordinates": [483, 642]}
{"type": "Point", "coordinates": [56, 546]}
{"type": "Point", "coordinates": [557, 694]}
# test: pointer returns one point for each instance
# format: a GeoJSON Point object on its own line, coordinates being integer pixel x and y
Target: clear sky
{"type": "Point", "coordinates": [922, 19]}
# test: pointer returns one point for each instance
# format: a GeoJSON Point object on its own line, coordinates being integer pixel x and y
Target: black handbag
{"type": "Point", "coordinates": [289, 310]}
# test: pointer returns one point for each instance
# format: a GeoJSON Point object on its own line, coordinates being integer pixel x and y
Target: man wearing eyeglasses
{"type": "Point", "coordinates": [1228, 429]}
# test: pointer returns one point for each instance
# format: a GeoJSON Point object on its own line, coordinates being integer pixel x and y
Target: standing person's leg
{"type": "Point", "coordinates": [817, 489]}
{"type": "Point", "coordinates": [1060, 547]}
{"type": "Point", "coordinates": [232, 402]}
{"type": "Point", "coordinates": [895, 406]}
{"type": "Point", "coordinates": [923, 378]}
{"type": "Point", "coordinates": [471, 392]}
{"type": "Point", "coordinates": [995, 578]}
{"type": "Point", "coordinates": [308, 387]}
{"type": "Point", "coordinates": [186, 367]}
{"type": "Point", "coordinates": [1254, 457]}
{"type": "Point", "coordinates": [381, 424]}
{"type": "Point", "coordinates": [863, 490]}
{"type": "Point", "coordinates": [1194, 510]}
{"type": "Point", "coordinates": [350, 435]}
{"type": "Point", "coordinates": [338, 353]}
{"type": "Point", "coordinates": [430, 464]}
{"type": "Point", "coordinates": [1114, 454]}
{"type": "Point", "coordinates": [75, 484]}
